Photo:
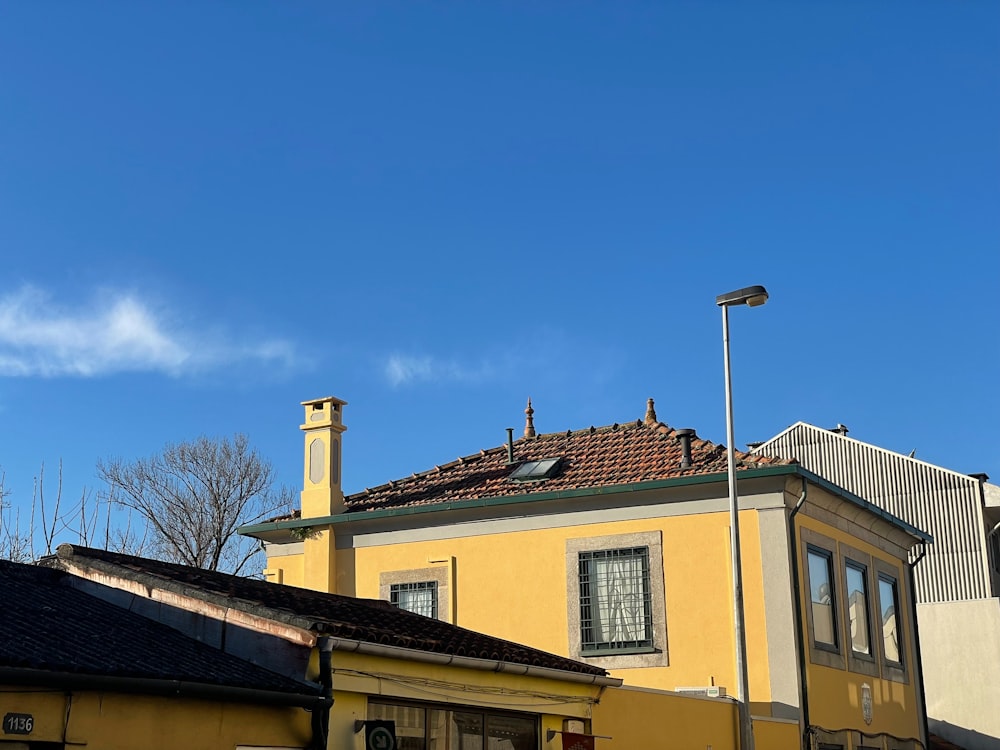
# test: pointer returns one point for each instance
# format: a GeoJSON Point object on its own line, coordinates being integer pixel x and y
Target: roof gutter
{"type": "Point", "coordinates": [152, 686]}
{"type": "Point", "coordinates": [351, 645]}
{"type": "Point", "coordinates": [618, 489]}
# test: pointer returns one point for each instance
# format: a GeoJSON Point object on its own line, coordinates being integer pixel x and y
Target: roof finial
{"type": "Point", "coordinates": [650, 414]}
{"type": "Point", "coordinates": [529, 424]}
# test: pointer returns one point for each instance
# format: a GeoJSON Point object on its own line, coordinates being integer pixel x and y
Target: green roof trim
{"type": "Point", "coordinates": [616, 489]}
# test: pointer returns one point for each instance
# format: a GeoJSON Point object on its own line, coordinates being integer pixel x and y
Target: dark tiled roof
{"type": "Point", "coordinates": [367, 620]}
{"type": "Point", "coordinates": [595, 457]}
{"type": "Point", "coordinates": [49, 625]}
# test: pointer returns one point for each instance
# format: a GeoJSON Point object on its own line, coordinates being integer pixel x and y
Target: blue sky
{"type": "Point", "coordinates": [210, 212]}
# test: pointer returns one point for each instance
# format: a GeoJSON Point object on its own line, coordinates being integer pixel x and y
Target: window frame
{"type": "Point", "coordinates": [893, 670]}
{"type": "Point", "coordinates": [396, 589]}
{"type": "Point", "coordinates": [437, 575]}
{"type": "Point", "coordinates": [655, 655]}
{"type": "Point", "coordinates": [450, 708]}
{"type": "Point", "coordinates": [821, 653]}
{"type": "Point", "coordinates": [589, 646]}
{"type": "Point", "coordinates": [858, 661]}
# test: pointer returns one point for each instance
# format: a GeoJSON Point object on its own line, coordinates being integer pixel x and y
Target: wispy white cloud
{"type": "Point", "coordinates": [117, 332]}
{"type": "Point", "coordinates": [401, 369]}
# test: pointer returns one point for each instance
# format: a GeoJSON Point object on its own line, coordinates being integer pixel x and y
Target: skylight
{"type": "Point", "coordinates": [535, 471]}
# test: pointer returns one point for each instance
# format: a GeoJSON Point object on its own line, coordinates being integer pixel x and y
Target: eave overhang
{"type": "Point", "coordinates": [285, 531]}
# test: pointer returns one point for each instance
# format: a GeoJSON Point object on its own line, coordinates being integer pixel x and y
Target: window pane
{"type": "Point", "coordinates": [510, 733]}
{"type": "Point", "coordinates": [437, 721]}
{"type": "Point", "coordinates": [857, 607]}
{"type": "Point", "coordinates": [415, 597]}
{"type": "Point", "coordinates": [409, 723]}
{"type": "Point", "coordinates": [466, 731]}
{"type": "Point", "coordinates": [615, 605]}
{"type": "Point", "coordinates": [820, 578]}
{"type": "Point", "coordinates": [890, 633]}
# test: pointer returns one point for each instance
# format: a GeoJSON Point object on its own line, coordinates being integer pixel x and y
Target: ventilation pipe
{"type": "Point", "coordinates": [684, 438]}
{"type": "Point", "coordinates": [510, 445]}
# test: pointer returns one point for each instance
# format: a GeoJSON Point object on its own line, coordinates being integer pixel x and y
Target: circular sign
{"type": "Point", "coordinates": [381, 738]}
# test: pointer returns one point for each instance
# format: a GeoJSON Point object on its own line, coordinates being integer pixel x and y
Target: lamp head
{"type": "Point", "coordinates": [751, 296]}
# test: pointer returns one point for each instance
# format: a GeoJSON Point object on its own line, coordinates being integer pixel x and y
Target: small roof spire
{"type": "Point", "coordinates": [529, 424]}
{"type": "Point", "coordinates": [650, 418]}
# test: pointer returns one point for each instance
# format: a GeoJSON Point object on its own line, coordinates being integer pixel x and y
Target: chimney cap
{"type": "Point", "coordinates": [686, 432]}
{"type": "Point", "coordinates": [840, 429]}
{"type": "Point", "coordinates": [982, 476]}
{"type": "Point", "coordinates": [325, 399]}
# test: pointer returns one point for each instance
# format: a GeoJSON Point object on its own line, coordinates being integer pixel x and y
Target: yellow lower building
{"type": "Point", "coordinates": [79, 671]}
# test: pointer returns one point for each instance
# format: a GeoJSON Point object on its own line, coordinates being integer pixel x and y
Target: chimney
{"type": "Point", "coordinates": [321, 487]}
{"type": "Point", "coordinates": [840, 429]}
{"type": "Point", "coordinates": [981, 476]}
{"type": "Point", "coordinates": [510, 445]}
{"type": "Point", "coordinates": [529, 424]}
{"type": "Point", "coordinates": [684, 438]}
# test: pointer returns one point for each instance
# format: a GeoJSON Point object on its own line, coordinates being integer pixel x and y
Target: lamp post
{"type": "Point", "coordinates": [752, 296]}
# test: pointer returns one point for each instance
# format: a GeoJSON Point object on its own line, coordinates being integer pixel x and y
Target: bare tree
{"type": "Point", "coordinates": [194, 495]}
{"type": "Point", "coordinates": [15, 544]}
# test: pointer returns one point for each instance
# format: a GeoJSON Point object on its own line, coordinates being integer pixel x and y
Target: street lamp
{"type": "Point", "coordinates": [751, 296]}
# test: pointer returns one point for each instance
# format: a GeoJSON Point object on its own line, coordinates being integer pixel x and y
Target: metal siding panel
{"type": "Point", "coordinates": [936, 500]}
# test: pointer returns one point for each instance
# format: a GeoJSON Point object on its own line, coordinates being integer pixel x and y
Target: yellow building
{"type": "Point", "coordinates": [610, 546]}
{"type": "Point", "coordinates": [79, 671]}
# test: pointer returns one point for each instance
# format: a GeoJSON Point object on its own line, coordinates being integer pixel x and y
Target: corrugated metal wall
{"type": "Point", "coordinates": [942, 503]}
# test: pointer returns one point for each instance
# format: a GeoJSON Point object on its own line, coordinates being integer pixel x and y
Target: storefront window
{"type": "Point", "coordinates": [421, 727]}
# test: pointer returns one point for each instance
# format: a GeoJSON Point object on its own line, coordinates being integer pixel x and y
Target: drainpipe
{"type": "Point", "coordinates": [916, 640]}
{"type": "Point", "coordinates": [799, 629]}
{"type": "Point", "coordinates": [321, 714]}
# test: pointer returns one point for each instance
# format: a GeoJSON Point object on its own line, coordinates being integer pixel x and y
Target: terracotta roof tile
{"type": "Point", "coordinates": [592, 457]}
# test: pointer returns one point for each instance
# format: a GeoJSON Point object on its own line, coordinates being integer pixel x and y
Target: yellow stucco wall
{"type": "Point", "coordinates": [835, 693]}
{"type": "Point", "coordinates": [530, 566]}
{"type": "Point", "coordinates": [115, 721]}
{"type": "Point", "coordinates": [636, 718]}
{"type": "Point", "coordinates": [775, 734]}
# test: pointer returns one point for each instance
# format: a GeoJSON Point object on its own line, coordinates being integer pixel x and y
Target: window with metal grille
{"type": "Point", "coordinates": [616, 612]}
{"type": "Point", "coordinates": [420, 597]}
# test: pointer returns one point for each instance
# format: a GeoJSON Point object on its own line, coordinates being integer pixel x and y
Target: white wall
{"type": "Point", "coordinates": [960, 647]}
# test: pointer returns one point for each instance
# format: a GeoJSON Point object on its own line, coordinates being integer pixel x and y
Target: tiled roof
{"type": "Point", "coordinates": [367, 620]}
{"type": "Point", "coordinates": [49, 625]}
{"type": "Point", "coordinates": [595, 457]}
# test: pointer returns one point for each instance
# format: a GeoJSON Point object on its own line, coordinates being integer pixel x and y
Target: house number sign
{"type": "Point", "coordinates": [18, 723]}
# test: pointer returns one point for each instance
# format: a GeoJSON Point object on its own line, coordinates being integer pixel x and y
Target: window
{"type": "Point", "coordinates": [615, 601]}
{"type": "Point", "coordinates": [419, 597]}
{"type": "Point", "coordinates": [437, 728]}
{"type": "Point", "coordinates": [615, 607]}
{"type": "Point", "coordinates": [822, 590]}
{"type": "Point", "coordinates": [425, 591]}
{"type": "Point", "coordinates": [859, 614]}
{"type": "Point", "coordinates": [856, 576]}
{"type": "Point", "coordinates": [824, 619]}
{"type": "Point", "coordinates": [535, 471]}
{"type": "Point", "coordinates": [888, 596]}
